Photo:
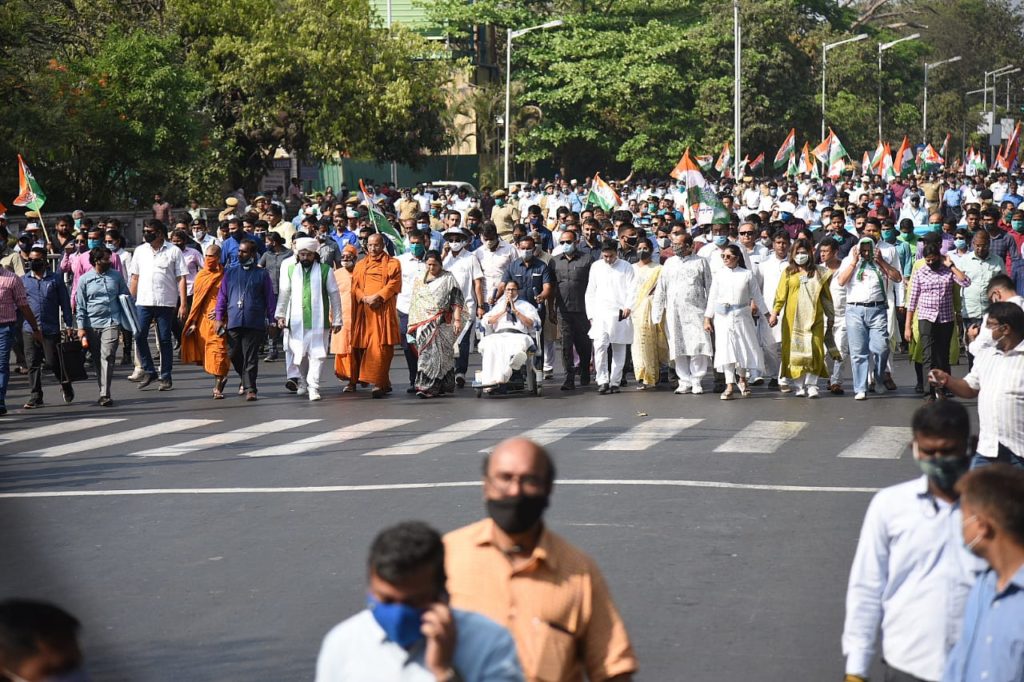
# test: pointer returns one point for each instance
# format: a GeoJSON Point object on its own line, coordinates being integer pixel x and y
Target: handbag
{"type": "Point", "coordinates": [70, 365]}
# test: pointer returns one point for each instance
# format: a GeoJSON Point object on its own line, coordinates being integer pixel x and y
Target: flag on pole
{"type": "Point", "coordinates": [836, 155]}
{"type": "Point", "coordinates": [821, 151]}
{"type": "Point", "coordinates": [930, 160]}
{"type": "Point", "coordinates": [865, 163]}
{"type": "Point", "coordinates": [904, 161]}
{"type": "Point", "coordinates": [944, 149]}
{"type": "Point", "coordinates": [876, 160]}
{"type": "Point", "coordinates": [700, 197]}
{"type": "Point", "coordinates": [601, 194]}
{"type": "Point", "coordinates": [794, 166]}
{"type": "Point", "coordinates": [787, 149]}
{"type": "Point", "coordinates": [724, 161]}
{"type": "Point", "coordinates": [807, 164]}
{"type": "Point", "coordinates": [757, 162]}
{"type": "Point", "coordinates": [885, 168]}
{"type": "Point", "coordinates": [381, 223]}
{"type": "Point", "coordinates": [744, 163]}
{"type": "Point", "coordinates": [1012, 147]}
{"type": "Point", "coordinates": [30, 194]}
{"type": "Point", "coordinates": [705, 161]}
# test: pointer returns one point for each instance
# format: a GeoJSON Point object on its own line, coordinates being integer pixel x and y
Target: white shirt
{"type": "Point", "coordinates": [868, 289]}
{"type": "Point", "coordinates": [412, 269]}
{"type": "Point", "coordinates": [999, 378]}
{"type": "Point", "coordinates": [984, 337]}
{"type": "Point", "coordinates": [910, 576]}
{"type": "Point", "coordinates": [494, 264]}
{"type": "Point", "coordinates": [158, 271]}
{"type": "Point", "coordinates": [466, 269]}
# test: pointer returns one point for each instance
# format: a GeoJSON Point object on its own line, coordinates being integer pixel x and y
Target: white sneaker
{"type": "Point", "coordinates": [800, 392]}
{"type": "Point", "coordinates": [302, 390]}
{"type": "Point", "coordinates": [314, 394]}
{"type": "Point", "coordinates": [861, 396]}
{"type": "Point", "coordinates": [812, 392]}
{"type": "Point", "coordinates": [697, 389]}
{"type": "Point", "coordinates": [682, 389]}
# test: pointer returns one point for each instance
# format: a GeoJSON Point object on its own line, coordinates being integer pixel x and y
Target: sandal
{"type": "Point", "coordinates": [351, 388]}
{"type": "Point", "coordinates": [744, 389]}
{"type": "Point", "coordinates": [218, 389]}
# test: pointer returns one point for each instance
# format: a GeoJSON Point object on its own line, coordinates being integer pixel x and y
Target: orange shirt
{"type": "Point", "coordinates": [557, 606]}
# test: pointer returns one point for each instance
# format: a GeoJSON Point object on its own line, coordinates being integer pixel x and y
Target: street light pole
{"type": "Point", "coordinates": [824, 61]}
{"type": "Point", "coordinates": [882, 47]}
{"type": "Point", "coordinates": [736, 86]}
{"type": "Point", "coordinates": [510, 34]}
{"type": "Point", "coordinates": [984, 106]}
{"type": "Point", "coordinates": [924, 115]}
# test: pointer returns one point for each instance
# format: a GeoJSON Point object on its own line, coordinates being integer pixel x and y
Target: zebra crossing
{"type": "Point", "coordinates": [415, 437]}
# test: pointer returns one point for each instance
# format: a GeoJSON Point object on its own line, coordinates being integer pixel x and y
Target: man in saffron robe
{"type": "Point", "coordinates": [200, 344]}
{"type": "Point", "coordinates": [376, 281]}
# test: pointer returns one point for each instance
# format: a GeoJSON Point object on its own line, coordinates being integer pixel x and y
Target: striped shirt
{"type": "Point", "coordinates": [999, 378]}
{"type": "Point", "coordinates": [12, 296]}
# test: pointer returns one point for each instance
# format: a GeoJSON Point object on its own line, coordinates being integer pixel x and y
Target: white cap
{"type": "Point", "coordinates": [306, 244]}
{"type": "Point", "coordinates": [455, 230]}
{"type": "Point", "coordinates": [787, 207]}
{"type": "Point", "coordinates": [31, 226]}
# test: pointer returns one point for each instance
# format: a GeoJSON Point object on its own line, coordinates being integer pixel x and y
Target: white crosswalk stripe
{"type": "Point", "coordinates": [879, 442]}
{"type": "Point", "coordinates": [647, 434]}
{"type": "Point", "coordinates": [341, 435]}
{"type": "Point", "coordinates": [447, 434]}
{"type": "Point", "coordinates": [557, 429]}
{"type": "Point", "coordinates": [61, 427]}
{"type": "Point", "coordinates": [762, 436]}
{"type": "Point", "coordinates": [227, 438]}
{"type": "Point", "coordinates": [117, 437]}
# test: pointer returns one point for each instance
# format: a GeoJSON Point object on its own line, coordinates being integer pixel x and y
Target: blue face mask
{"type": "Point", "coordinates": [721, 240]}
{"type": "Point", "coordinates": [961, 244]}
{"type": "Point", "coordinates": [569, 249]}
{"type": "Point", "coordinates": [417, 250]}
{"type": "Point", "coordinates": [934, 227]}
{"type": "Point", "coordinates": [93, 243]}
{"type": "Point", "coordinates": [400, 622]}
{"type": "Point", "coordinates": [784, 217]}
{"type": "Point", "coordinates": [838, 238]}
{"type": "Point", "coordinates": [889, 235]}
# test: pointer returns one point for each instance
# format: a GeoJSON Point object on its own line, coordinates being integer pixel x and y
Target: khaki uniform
{"type": "Point", "coordinates": [504, 217]}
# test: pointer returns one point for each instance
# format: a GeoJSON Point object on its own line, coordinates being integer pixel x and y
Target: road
{"type": "Point", "coordinates": [209, 540]}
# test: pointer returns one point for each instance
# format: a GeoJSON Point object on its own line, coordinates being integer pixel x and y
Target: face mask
{"type": "Point", "coordinates": [517, 514]}
{"type": "Point", "coordinates": [78, 223]}
{"type": "Point", "coordinates": [149, 237]}
{"type": "Point", "coordinates": [1017, 225]}
{"type": "Point", "coordinates": [934, 227]}
{"type": "Point", "coordinates": [644, 254]}
{"type": "Point", "coordinates": [678, 249]}
{"type": "Point", "coordinates": [889, 235]}
{"type": "Point", "coordinates": [631, 241]}
{"type": "Point", "coordinates": [422, 226]}
{"type": "Point", "coordinates": [400, 622]}
{"type": "Point", "coordinates": [969, 545]}
{"type": "Point", "coordinates": [960, 244]}
{"type": "Point", "coordinates": [944, 471]}
{"type": "Point", "coordinates": [936, 265]}
{"type": "Point", "coordinates": [434, 212]}
{"type": "Point", "coordinates": [417, 250]}
{"type": "Point", "coordinates": [526, 254]}
{"type": "Point", "coordinates": [765, 242]}
{"type": "Point", "coordinates": [37, 265]}
{"type": "Point", "coordinates": [499, 202]}
{"type": "Point", "coordinates": [801, 258]}
{"type": "Point", "coordinates": [838, 237]}
{"type": "Point", "coordinates": [198, 235]}
{"type": "Point", "coordinates": [721, 240]}
{"type": "Point", "coordinates": [774, 192]}
{"type": "Point", "coordinates": [93, 243]}
{"type": "Point", "coordinates": [321, 237]}
{"type": "Point", "coordinates": [247, 263]}
{"type": "Point", "coordinates": [456, 246]}
{"type": "Point", "coordinates": [569, 249]}
{"type": "Point", "coordinates": [785, 217]}
{"type": "Point", "coordinates": [663, 242]}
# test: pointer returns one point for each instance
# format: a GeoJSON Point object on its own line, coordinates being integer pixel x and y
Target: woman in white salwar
{"type": "Point", "coordinates": [510, 325]}
{"type": "Point", "coordinates": [737, 350]}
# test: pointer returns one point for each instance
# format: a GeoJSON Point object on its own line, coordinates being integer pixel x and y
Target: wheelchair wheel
{"type": "Point", "coordinates": [538, 390]}
{"type": "Point", "coordinates": [479, 392]}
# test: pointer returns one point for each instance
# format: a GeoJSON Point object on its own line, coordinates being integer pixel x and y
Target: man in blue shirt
{"type": "Point", "coordinates": [911, 573]}
{"type": "Point", "coordinates": [991, 645]}
{"type": "Point", "coordinates": [100, 317]}
{"type": "Point", "coordinates": [407, 630]}
{"type": "Point", "coordinates": [952, 199]}
{"type": "Point", "coordinates": [49, 299]}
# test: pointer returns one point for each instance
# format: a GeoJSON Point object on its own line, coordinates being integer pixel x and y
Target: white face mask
{"type": "Point", "coordinates": [801, 258]}
{"type": "Point", "coordinates": [456, 246]}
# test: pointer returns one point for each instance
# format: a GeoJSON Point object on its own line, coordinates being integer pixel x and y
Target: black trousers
{"type": "Point", "coordinates": [411, 360]}
{"type": "Point", "coordinates": [968, 321]}
{"type": "Point", "coordinates": [35, 354]}
{"type": "Point", "coordinates": [936, 338]}
{"type": "Point", "coordinates": [573, 328]}
{"type": "Point", "coordinates": [891, 674]}
{"type": "Point", "coordinates": [244, 345]}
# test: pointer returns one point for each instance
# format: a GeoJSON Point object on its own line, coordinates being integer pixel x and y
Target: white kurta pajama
{"type": "Point", "coordinates": [736, 344]}
{"type": "Point", "coordinates": [308, 331]}
{"type": "Point", "coordinates": [610, 290]}
{"type": "Point", "coordinates": [504, 347]}
{"type": "Point", "coordinates": [770, 273]}
{"type": "Point", "coordinates": [681, 299]}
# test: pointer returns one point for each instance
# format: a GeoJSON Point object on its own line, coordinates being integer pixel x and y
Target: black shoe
{"type": "Point", "coordinates": [584, 378]}
{"type": "Point", "coordinates": [68, 393]}
{"type": "Point", "coordinates": [3, 410]}
{"type": "Point", "coordinates": [603, 389]}
{"type": "Point", "coordinates": [165, 385]}
{"type": "Point", "coordinates": [622, 383]}
{"type": "Point", "coordinates": [614, 389]}
{"type": "Point", "coordinates": [460, 380]}
{"type": "Point", "coordinates": [570, 383]}
{"type": "Point", "coordinates": [377, 393]}
{"type": "Point", "coordinates": [918, 388]}
{"type": "Point", "coordinates": [410, 390]}
{"type": "Point", "coordinates": [292, 385]}
{"type": "Point", "coordinates": [105, 401]}
{"type": "Point", "coordinates": [33, 403]}
{"type": "Point", "coordinates": [772, 383]}
{"type": "Point", "coordinates": [146, 381]}
{"type": "Point", "coordinates": [271, 357]}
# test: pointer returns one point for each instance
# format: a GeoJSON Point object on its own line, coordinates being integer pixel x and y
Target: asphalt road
{"type": "Point", "coordinates": [220, 540]}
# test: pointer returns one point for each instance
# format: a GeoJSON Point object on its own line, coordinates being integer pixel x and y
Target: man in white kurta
{"type": "Point", "coordinates": [769, 272]}
{"type": "Point", "coordinates": [680, 299]}
{"type": "Point", "coordinates": [610, 293]}
{"type": "Point", "coordinates": [307, 301]}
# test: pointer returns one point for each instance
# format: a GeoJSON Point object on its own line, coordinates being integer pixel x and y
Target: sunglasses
{"type": "Point", "coordinates": [727, 256]}
{"type": "Point", "coordinates": [746, 234]}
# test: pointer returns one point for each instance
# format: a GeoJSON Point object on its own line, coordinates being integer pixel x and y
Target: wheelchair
{"type": "Point", "coordinates": [525, 380]}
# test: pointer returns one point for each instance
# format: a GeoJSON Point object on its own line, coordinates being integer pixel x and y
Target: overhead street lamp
{"type": "Point", "coordinates": [824, 60]}
{"type": "Point", "coordinates": [924, 115]}
{"type": "Point", "coordinates": [882, 47]}
{"type": "Point", "coordinates": [985, 83]}
{"type": "Point", "coordinates": [510, 34]}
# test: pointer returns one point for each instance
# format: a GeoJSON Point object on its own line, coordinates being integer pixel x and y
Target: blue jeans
{"type": "Point", "coordinates": [867, 332]}
{"type": "Point", "coordinates": [164, 318]}
{"type": "Point", "coordinates": [7, 333]}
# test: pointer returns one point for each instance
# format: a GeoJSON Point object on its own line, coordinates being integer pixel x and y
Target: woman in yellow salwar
{"type": "Point", "coordinates": [804, 293]}
{"type": "Point", "coordinates": [650, 346]}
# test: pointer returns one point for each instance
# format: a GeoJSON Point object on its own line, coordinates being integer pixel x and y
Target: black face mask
{"type": "Point", "coordinates": [150, 237]}
{"type": "Point", "coordinates": [37, 265]}
{"type": "Point", "coordinates": [517, 514]}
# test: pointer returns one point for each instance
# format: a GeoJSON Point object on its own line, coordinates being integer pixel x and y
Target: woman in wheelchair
{"type": "Point", "coordinates": [510, 326]}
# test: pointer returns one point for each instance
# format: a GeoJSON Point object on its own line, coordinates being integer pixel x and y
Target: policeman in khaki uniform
{"type": "Point", "coordinates": [504, 215]}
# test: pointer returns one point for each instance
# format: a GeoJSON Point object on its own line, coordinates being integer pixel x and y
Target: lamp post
{"type": "Point", "coordinates": [924, 115]}
{"type": "Point", "coordinates": [963, 141]}
{"type": "Point", "coordinates": [824, 60]}
{"type": "Point", "coordinates": [985, 84]}
{"type": "Point", "coordinates": [736, 86]}
{"type": "Point", "coordinates": [510, 34]}
{"type": "Point", "coordinates": [882, 47]}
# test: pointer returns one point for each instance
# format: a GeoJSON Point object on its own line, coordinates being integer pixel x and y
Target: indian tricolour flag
{"type": "Point", "coordinates": [821, 151]}
{"type": "Point", "coordinates": [757, 162]}
{"type": "Point", "coordinates": [904, 161]}
{"type": "Point", "coordinates": [793, 168]}
{"type": "Point", "coordinates": [930, 160]}
{"type": "Point", "coordinates": [876, 160]}
{"type": "Point", "coordinates": [724, 162]}
{"type": "Point", "coordinates": [381, 223]}
{"type": "Point", "coordinates": [700, 197]}
{"type": "Point", "coordinates": [30, 194]}
{"type": "Point", "coordinates": [885, 168]}
{"type": "Point", "coordinates": [944, 149]}
{"type": "Point", "coordinates": [705, 161]}
{"type": "Point", "coordinates": [837, 156]}
{"type": "Point", "coordinates": [787, 149]}
{"type": "Point", "coordinates": [601, 194]}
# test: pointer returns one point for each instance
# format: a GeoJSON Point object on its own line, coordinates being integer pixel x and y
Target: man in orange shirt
{"type": "Point", "coordinates": [376, 281]}
{"type": "Point", "coordinates": [549, 594]}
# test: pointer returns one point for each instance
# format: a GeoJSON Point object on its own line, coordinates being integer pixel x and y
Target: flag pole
{"type": "Point", "coordinates": [42, 224]}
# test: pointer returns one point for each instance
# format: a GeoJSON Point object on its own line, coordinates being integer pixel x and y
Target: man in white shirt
{"type": "Point", "coordinates": [914, 212]}
{"type": "Point", "coordinates": [408, 631]}
{"type": "Point", "coordinates": [809, 213]}
{"type": "Point", "coordinates": [466, 268]}
{"type": "Point", "coordinates": [494, 256]}
{"type": "Point", "coordinates": [911, 574]}
{"type": "Point", "coordinates": [413, 268]}
{"type": "Point", "coordinates": [610, 294]}
{"type": "Point", "coordinates": [769, 273]}
{"type": "Point", "coordinates": [157, 283]}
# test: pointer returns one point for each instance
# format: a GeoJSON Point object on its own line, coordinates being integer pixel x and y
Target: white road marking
{"type": "Point", "coordinates": [647, 434]}
{"type": "Point", "coordinates": [879, 442]}
{"type": "Point", "coordinates": [73, 426]}
{"type": "Point", "coordinates": [762, 437]}
{"type": "Point", "coordinates": [227, 438]}
{"type": "Point", "coordinates": [117, 437]}
{"type": "Point", "coordinates": [438, 437]}
{"type": "Point", "coordinates": [306, 445]}
{"type": "Point", "coordinates": [722, 485]}
{"type": "Point", "coordinates": [557, 429]}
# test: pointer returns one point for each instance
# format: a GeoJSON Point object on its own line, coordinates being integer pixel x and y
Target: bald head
{"type": "Point", "coordinates": [518, 466]}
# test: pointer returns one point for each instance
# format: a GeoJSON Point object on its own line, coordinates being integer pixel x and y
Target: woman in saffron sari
{"type": "Point", "coordinates": [200, 343]}
{"type": "Point", "coordinates": [435, 317]}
